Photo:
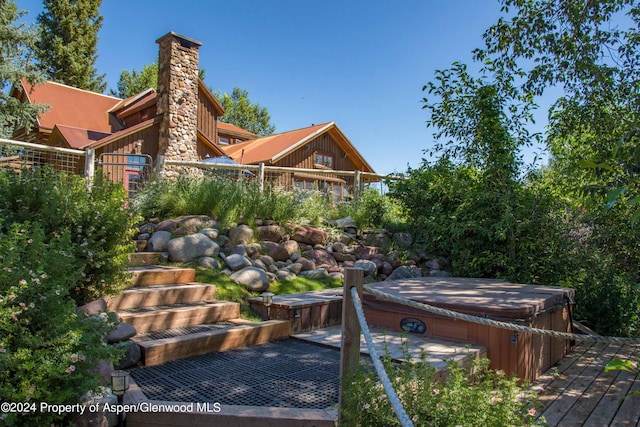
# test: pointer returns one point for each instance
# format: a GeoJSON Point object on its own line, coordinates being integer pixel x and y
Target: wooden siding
{"type": "Point", "coordinates": [128, 144]}
{"type": "Point", "coordinates": [139, 116]}
{"type": "Point", "coordinates": [304, 157]}
{"type": "Point", "coordinates": [207, 118]}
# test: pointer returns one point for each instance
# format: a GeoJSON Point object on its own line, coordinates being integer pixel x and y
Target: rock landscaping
{"type": "Point", "coordinates": [256, 256]}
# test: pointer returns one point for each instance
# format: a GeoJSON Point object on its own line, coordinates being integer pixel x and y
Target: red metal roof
{"type": "Point", "coordinates": [79, 138]}
{"type": "Point", "coordinates": [228, 127]}
{"type": "Point", "coordinates": [70, 106]}
{"type": "Point", "coordinates": [270, 148]}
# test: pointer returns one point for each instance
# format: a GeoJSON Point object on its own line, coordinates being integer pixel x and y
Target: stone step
{"type": "Point", "coordinates": [161, 275]}
{"type": "Point", "coordinates": [164, 346]}
{"type": "Point", "coordinates": [140, 259]}
{"type": "Point", "coordinates": [149, 319]}
{"type": "Point", "coordinates": [159, 295]}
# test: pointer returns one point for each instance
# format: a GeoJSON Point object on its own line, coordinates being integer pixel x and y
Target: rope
{"type": "Point", "coordinates": [386, 383]}
{"type": "Point", "coordinates": [498, 324]}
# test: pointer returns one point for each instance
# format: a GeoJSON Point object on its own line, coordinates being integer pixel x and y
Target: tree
{"type": "Point", "coordinates": [67, 49]}
{"type": "Point", "coordinates": [18, 42]}
{"type": "Point", "coordinates": [240, 111]}
{"type": "Point", "coordinates": [134, 82]}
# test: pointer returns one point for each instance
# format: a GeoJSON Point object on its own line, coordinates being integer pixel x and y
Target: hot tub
{"type": "Point", "coordinates": [526, 355]}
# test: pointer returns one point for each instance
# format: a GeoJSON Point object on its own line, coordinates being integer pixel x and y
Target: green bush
{"type": "Point", "coordinates": [47, 352]}
{"type": "Point", "coordinates": [98, 223]}
{"type": "Point", "coordinates": [374, 210]}
{"type": "Point", "coordinates": [482, 398]}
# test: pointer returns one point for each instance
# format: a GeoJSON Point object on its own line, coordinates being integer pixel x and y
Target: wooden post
{"type": "Point", "coordinates": [89, 166]}
{"type": "Point", "coordinates": [351, 331]}
{"type": "Point", "coordinates": [357, 182]}
{"type": "Point", "coordinates": [160, 166]}
{"type": "Point", "coordinates": [261, 176]}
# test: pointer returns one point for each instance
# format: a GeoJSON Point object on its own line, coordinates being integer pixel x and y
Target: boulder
{"type": "Point", "coordinates": [167, 225]}
{"type": "Point", "coordinates": [159, 241]}
{"type": "Point", "coordinates": [209, 262]}
{"type": "Point", "coordinates": [275, 251]}
{"type": "Point", "coordinates": [252, 278]}
{"type": "Point", "coordinates": [295, 268]}
{"type": "Point", "coordinates": [321, 257]}
{"type": "Point", "coordinates": [307, 264]}
{"type": "Point", "coordinates": [270, 233]}
{"type": "Point", "coordinates": [318, 273]}
{"type": "Point", "coordinates": [193, 223]}
{"type": "Point", "coordinates": [122, 332]}
{"type": "Point", "coordinates": [191, 247]}
{"type": "Point", "coordinates": [380, 239]}
{"type": "Point", "coordinates": [310, 235]}
{"type": "Point", "coordinates": [433, 264]}
{"type": "Point", "coordinates": [253, 249]}
{"type": "Point", "coordinates": [285, 274]}
{"type": "Point", "coordinates": [405, 272]}
{"type": "Point", "coordinates": [92, 308]}
{"type": "Point", "coordinates": [131, 356]}
{"type": "Point", "coordinates": [370, 268]}
{"type": "Point", "coordinates": [291, 246]}
{"type": "Point", "coordinates": [211, 233]}
{"type": "Point", "coordinates": [241, 234]}
{"type": "Point", "coordinates": [366, 252]}
{"type": "Point", "coordinates": [237, 262]}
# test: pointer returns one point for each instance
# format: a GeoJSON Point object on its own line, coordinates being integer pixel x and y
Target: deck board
{"type": "Point", "coordinates": [577, 392]}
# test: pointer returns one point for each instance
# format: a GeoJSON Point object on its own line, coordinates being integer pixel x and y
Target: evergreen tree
{"type": "Point", "coordinates": [67, 49]}
{"type": "Point", "coordinates": [18, 42]}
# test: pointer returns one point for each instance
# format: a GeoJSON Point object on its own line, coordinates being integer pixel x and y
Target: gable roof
{"type": "Point", "coordinates": [70, 106]}
{"type": "Point", "coordinates": [75, 137]}
{"type": "Point", "coordinates": [271, 149]}
{"type": "Point", "coordinates": [232, 129]}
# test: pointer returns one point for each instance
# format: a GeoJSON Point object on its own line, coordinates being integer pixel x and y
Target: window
{"type": "Point", "coordinates": [324, 160]}
{"type": "Point", "coordinates": [224, 140]}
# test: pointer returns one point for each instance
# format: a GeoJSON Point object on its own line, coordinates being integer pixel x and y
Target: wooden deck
{"type": "Point", "coordinates": [577, 391]}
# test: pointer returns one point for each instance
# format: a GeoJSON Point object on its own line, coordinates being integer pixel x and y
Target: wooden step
{"type": "Point", "coordinates": [161, 275]}
{"type": "Point", "coordinates": [139, 259]}
{"type": "Point", "coordinates": [240, 334]}
{"type": "Point", "coordinates": [150, 296]}
{"type": "Point", "coordinates": [180, 315]}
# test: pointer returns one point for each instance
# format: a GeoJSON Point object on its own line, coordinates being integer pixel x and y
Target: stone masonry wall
{"type": "Point", "coordinates": [178, 98]}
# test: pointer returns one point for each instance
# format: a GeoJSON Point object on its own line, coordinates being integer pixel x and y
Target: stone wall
{"type": "Point", "coordinates": [178, 98]}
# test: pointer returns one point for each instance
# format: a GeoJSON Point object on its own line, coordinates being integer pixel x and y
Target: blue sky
{"type": "Point", "coordinates": [361, 64]}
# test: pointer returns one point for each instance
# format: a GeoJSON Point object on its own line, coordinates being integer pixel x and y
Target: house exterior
{"type": "Point", "coordinates": [322, 147]}
{"type": "Point", "coordinates": [178, 121]}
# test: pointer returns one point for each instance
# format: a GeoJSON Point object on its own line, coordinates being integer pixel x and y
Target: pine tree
{"type": "Point", "coordinates": [67, 49]}
{"type": "Point", "coordinates": [17, 41]}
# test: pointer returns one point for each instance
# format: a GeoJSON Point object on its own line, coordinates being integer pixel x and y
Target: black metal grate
{"type": "Point", "coordinates": [287, 373]}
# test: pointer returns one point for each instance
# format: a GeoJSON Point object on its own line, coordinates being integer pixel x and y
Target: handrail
{"type": "Point", "coordinates": [40, 147]}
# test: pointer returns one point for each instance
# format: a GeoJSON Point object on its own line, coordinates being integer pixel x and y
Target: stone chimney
{"type": "Point", "coordinates": [178, 98]}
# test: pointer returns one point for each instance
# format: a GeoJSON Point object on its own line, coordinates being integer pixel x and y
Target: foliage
{"type": "Point", "coordinates": [97, 222]}
{"type": "Point", "coordinates": [67, 49]}
{"type": "Point", "coordinates": [374, 210]}
{"type": "Point", "coordinates": [48, 353]}
{"type": "Point", "coordinates": [481, 398]}
{"type": "Point", "coordinates": [133, 82]}
{"type": "Point", "coordinates": [18, 42]}
{"type": "Point", "coordinates": [226, 200]}
{"type": "Point", "coordinates": [240, 111]}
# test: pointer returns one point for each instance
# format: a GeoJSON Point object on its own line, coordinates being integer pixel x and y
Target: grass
{"type": "Point", "coordinates": [227, 290]}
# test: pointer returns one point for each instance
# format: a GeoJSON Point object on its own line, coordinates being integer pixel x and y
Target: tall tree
{"type": "Point", "coordinates": [67, 49]}
{"type": "Point", "coordinates": [133, 82]}
{"type": "Point", "coordinates": [17, 41]}
{"type": "Point", "coordinates": [240, 111]}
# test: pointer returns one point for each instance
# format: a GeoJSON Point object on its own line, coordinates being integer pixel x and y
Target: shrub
{"type": "Point", "coordinates": [482, 398]}
{"type": "Point", "coordinates": [98, 224]}
{"type": "Point", "coordinates": [374, 210]}
{"type": "Point", "coordinates": [47, 352]}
